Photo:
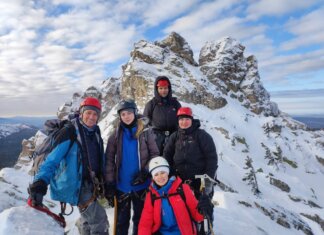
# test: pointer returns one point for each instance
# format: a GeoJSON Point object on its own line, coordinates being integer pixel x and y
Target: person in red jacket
{"type": "Point", "coordinates": [170, 207]}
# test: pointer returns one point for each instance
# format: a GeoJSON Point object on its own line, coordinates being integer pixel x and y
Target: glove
{"type": "Point", "coordinates": [140, 178]}
{"type": "Point", "coordinates": [36, 191]}
{"type": "Point", "coordinates": [205, 206]}
{"type": "Point", "coordinates": [110, 192]}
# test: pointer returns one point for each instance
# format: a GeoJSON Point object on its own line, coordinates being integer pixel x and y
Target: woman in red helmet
{"type": "Point", "coordinates": [191, 151]}
{"type": "Point", "coordinates": [162, 111]}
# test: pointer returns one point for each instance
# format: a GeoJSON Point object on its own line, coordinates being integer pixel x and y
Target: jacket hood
{"type": "Point", "coordinates": [156, 94]}
{"type": "Point", "coordinates": [195, 125]}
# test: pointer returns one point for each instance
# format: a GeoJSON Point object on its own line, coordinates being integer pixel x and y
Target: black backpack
{"type": "Point", "coordinates": [53, 127]}
{"type": "Point", "coordinates": [178, 192]}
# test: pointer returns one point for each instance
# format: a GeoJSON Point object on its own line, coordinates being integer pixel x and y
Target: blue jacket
{"type": "Point", "coordinates": [169, 224]}
{"type": "Point", "coordinates": [62, 170]}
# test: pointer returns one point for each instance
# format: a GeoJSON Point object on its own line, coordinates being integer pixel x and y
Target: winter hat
{"type": "Point", "coordinates": [160, 168]}
{"type": "Point", "coordinates": [158, 164]}
{"type": "Point", "coordinates": [162, 83]}
{"type": "Point", "coordinates": [84, 108]}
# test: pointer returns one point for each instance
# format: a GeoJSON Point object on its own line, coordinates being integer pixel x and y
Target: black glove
{"type": "Point", "coordinates": [110, 192]}
{"type": "Point", "coordinates": [36, 191]}
{"type": "Point", "coordinates": [140, 178]}
{"type": "Point", "coordinates": [205, 206]}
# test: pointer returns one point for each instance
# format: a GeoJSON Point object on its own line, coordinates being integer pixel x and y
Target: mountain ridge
{"type": "Point", "coordinates": [270, 165]}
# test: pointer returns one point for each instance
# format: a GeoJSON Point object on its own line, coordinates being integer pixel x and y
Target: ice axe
{"type": "Point", "coordinates": [203, 178]}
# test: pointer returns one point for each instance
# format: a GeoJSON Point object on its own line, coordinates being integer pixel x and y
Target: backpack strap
{"type": "Point", "coordinates": [179, 191]}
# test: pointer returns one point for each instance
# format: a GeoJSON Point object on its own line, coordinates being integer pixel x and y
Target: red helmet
{"type": "Point", "coordinates": [184, 111]}
{"type": "Point", "coordinates": [91, 101]}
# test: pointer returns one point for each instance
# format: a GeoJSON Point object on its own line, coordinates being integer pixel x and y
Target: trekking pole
{"type": "Point", "coordinates": [207, 222]}
{"type": "Point", "coordinates": [115, 216]}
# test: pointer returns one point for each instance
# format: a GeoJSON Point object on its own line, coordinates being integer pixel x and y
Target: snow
{"type": "Point", "coordinates": [238, 134]}
{"type": "Point", "coordinates": [26, 220]}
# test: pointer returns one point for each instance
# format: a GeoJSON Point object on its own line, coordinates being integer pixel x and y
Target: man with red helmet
{"type": "Point", "coordinates": [75, 169]}
{"type": "Point", "coordinates": [191, 151]}
{"type": "Point", "coordinates": [162, 110]}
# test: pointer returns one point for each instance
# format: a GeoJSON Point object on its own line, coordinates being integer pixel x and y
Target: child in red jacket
{"type": "Point", "coordinates": [170, 207]}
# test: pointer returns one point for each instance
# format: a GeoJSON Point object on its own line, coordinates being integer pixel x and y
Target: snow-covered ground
{"type": "Point", "coordinates": [235, 211]}
{"type": "Point", "coordinates": [270, 167]}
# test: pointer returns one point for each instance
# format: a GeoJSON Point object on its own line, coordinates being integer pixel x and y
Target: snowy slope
{"type": "Point", "coordinates": [270, 166]}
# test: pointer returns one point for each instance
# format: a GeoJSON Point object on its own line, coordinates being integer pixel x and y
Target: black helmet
{"type": "Point", "coordinates": [127, 104]}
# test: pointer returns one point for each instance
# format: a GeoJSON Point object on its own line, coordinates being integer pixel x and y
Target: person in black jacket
{"type": "Point", "coordinates": [162, 111]}
{"type": "Point", "coordinates": [191, 151]}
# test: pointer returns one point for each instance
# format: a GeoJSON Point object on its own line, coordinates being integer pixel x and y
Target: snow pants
{"type": "Point", "coordinates": [93, 218]}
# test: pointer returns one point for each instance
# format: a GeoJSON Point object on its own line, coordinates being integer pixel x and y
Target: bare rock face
{"type": "Point", "coordinates": [172, 57]}
{"type": "Point", "coordinates": [224, 64]}
{"type": "Point", "coordinates": [223, 60]}
{"type": "Point", "coordinates": [73, 105]}
{"type": "Point", "coordinates": [179, 46]}
{"type": "Point", "coordinates": [110, 95]}
{"type": "Point", "coordinates": [256, 94]}
{"type": "Point", "coordinates": [28, 148]}
{"type": "Point", "coordinates": [223, 72]}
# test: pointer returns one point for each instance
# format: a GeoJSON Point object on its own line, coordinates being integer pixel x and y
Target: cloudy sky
{"type": "Point", "coordinates": [51, 48]}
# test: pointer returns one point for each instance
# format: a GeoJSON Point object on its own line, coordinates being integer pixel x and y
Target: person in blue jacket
{"type": "Point", "coordinates": [73, 172]}
{"type": "Point", "coordinates": [129, 149]}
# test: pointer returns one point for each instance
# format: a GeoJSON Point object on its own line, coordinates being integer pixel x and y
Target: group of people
{"type": "Point", "coordinates": [148, 168]}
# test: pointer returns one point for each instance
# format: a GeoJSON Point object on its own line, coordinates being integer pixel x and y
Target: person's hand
{"type": "Point", "coordinates": [36, 191]}
{"type": "Point", "coordinates": [205, 206]}
{"type": "Point", "coordinates": [140, 178]}
{"type": "Point", "coordinates": [110, 192]}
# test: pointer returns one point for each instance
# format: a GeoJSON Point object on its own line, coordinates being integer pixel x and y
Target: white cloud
{"type": "Point", "coordinates": [277, 7]}
{"type": "Point", "coordinates": [162, 10]}
{"type": "Point", "coordinates": [201, 15]}
{"type": "Point", "coordinates": [308, 29]}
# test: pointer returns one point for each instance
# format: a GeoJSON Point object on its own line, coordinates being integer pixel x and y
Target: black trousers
{"type": "Point", "coordinates": [126, 201]}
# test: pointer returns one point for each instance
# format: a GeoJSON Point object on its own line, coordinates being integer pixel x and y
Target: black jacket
{"type": "Point", "coordinates": [162, 112]}
{"type": "Point", "coordinates": [191, 152]}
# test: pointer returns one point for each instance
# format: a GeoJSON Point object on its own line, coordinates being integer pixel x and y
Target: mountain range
{"type": "Point", "coordinates": [270, 166]}
{"type": "Point", "coordinates": [13, 131]}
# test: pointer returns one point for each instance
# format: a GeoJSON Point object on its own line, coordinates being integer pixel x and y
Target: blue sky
{"type": "Point", "coordinates": [50, 49]}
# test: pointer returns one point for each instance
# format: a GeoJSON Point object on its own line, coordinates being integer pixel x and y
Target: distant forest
{"type": "Point", "coordinates": [10, 147]}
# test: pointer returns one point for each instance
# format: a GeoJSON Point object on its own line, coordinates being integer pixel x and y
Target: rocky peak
{"type": "Point", "coordinates": [179, 46]}
{"type": "Point", "coordinates": [172, 58]}
{"type": "Point", "coordinates": [224, 64]}
{"type": "Point", "coordinates": [252, 88]}
{"type": "Point", "coordinates": [223, 73]}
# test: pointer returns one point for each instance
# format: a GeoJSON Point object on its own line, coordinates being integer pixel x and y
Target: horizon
{"type": "Point", "coordinates": [63, 47]}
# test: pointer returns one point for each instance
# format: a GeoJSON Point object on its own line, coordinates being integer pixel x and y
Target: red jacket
{"type": "Point", "coordinates": [151, 215]}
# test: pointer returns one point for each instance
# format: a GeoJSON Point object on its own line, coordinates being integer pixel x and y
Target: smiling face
{"type": "Point", "coordinates": [163, 91]}
{"type": "Point", "coordinates": [185, 122]}
{"type": "Point", "coordinates": [127, 116]}
{"type": "Point", "coordinates": [89, 117]}
{"type": "Point", "coordinates": [161, 178]}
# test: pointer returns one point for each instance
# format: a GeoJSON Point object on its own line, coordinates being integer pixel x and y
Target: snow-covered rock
{"type": "Point", "coordinates": [270, 166]}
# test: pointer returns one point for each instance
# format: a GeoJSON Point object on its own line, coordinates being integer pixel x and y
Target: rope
{"type": "Point", "coordinates": [59, 218]}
